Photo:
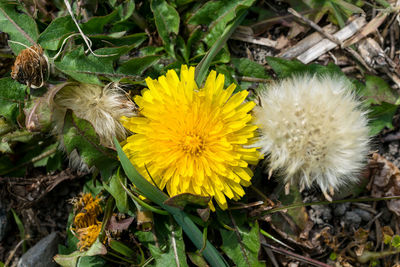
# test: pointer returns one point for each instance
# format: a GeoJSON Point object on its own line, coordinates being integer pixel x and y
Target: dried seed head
{"type": "Point", "coordinates": [86, 224]}
{"type": "Point", "coordinates": [101, 106]}
{"type": "Point", "coordinates": [313, 131]}
{"type": "Point", "coordinates": [31, 67]}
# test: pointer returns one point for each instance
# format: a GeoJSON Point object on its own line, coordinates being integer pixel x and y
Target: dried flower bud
{"type": "Point", "coordinates": [86, 224]}
{"type": "Point", "coordinates": [30, 67]}
{"type": "Point", "coordinates": [101, 106]}
{"type": "Point", "coordinates": [313, 131]}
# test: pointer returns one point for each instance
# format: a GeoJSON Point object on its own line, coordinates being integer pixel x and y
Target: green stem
{"type": "Point", "coordinates": [273, 238]}
{"type": "Point", "coordinates": [371, 255]}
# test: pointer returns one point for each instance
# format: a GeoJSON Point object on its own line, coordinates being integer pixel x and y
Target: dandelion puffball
{"type": "Point", "coordinates": [313, 131]}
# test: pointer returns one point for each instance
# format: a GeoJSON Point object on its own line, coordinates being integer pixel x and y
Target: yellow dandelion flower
{"type": "Point", "coordinates": [193, 140]}
{"type": "Point", "coordinates": [86, 225]}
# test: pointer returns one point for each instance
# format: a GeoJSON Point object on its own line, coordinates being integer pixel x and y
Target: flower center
{"type": "Point", "coordinates": [193, 144]}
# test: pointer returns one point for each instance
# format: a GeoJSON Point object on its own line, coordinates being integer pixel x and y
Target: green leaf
{"type": "Point", "coordinates": [126, 9]}
{"type": "Point", "coordinates": [12, 96]}
{"type": "Point", "coordinates": [21, 27]}
{"type": "Point", "coordinates": [59, 29]}
{"type": "Point", "coordinates": [45, 160]}
{"type": "Point", "coordinates": [381, 116]}
{"type": "Point", "coordinates": [243, 252]}
{"type": "Point", "coordinates": [91, 261]}
{"type": "Point", "coordinates": [86, 68]}
{"type": "Point", "coordinates": [377, 90]}
{"type": "Point", "coordinates": [79, 134]}
{"type": "Point", "coordinates": [164, 254]}
{"type": "Point", "coordinates": [196, 259]}
{"type": "Point", "coordinates": [96, 24]}
{"type": "Point", "coordinates": [286, 68]}
{"type": "Point", "coordinates": [21, 229]}
{"type": "Point", "coordinates": [118, 39]}
{"type": "Point", "coordinates": [203, 66]}
{"type": "Point", "coordinates": [249, 68]}
{"type": "Point", "coordinates": [167, 22]}
{"type": "Point", "coordinates": [117, 191]}
{"type": "Point", "coordinates": [333, 256]}
{"type": "Point", "coordinates": [216, 15]}
{"type": "Point", "coordinates": [137, 65]}
{"type": "Point", "coordinates": [121, 248]}
{"type": "Point", "coordinates": [396, 241]}
{"type": "Point", "coordinates": [71, 260]}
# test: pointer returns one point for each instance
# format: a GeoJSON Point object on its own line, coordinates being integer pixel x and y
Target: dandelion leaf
{"type": "Point", "coordinates": [244, 251]}
{"type": "Point", "coordinates": [59, 29]}
{"type": "Point", "coordinates": [21, 27]}
{"type": "Point", "coordinates": [285, 68]}
{"type": "Point", "coordinates": [168, 233]}
{"type": "Point", "coordinates": [12, 96]}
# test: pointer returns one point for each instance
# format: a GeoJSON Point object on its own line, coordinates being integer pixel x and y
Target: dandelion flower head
{"type": "Point", "coordinates": [192, 140]}
{"type": "Point", "coordinates": [313, 131]}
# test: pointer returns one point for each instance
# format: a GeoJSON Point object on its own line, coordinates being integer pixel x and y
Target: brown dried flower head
{"type": "Point", "coordinates": [86, 226]}
{"type": "Point", "coordinates": [30, 67]}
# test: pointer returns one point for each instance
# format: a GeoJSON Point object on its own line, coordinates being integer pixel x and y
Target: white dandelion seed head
{"type": "Point", "coordinates": [101, 106]}
{"type": "Point", "coordinates": [313, 131]}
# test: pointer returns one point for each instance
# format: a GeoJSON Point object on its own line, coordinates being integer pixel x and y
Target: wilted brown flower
{"type": "Point", "coordinates": [86, 225]}
{"type": "Point", "coordinates": [30, 67]}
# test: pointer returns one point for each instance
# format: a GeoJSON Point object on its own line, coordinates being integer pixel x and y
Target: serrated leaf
{"type": "Point", "coordinates": [286, 68]}
{"type": "Point", "coordinates": [14, 20]}
{"type": "Point", "coordinates": [12, 96]}
{"type": "Point", "coordinates": [59, 29]}
{"type": "Point", "coordinates": [137, 65]}
{"type": "Point", "coordinates": [167, 22]}
{"type": "Point", "coordinates": [377, 90]}
{"type": "Point", "coordinates": [244, 252]}
{"type": "Point", "coordinates": [247, 67]}
{"type": "Point", "coordinates": [79, 134]}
